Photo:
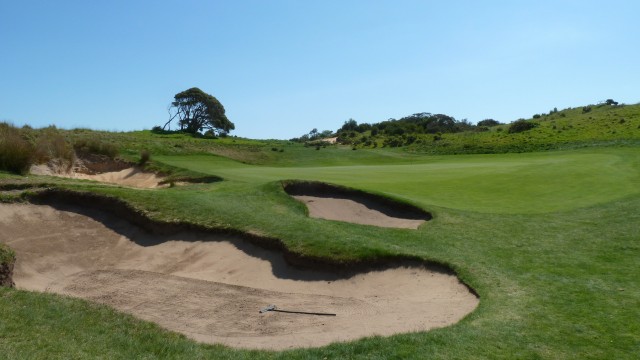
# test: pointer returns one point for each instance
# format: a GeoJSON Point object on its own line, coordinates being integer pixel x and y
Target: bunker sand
{"type": "Point", "coordinates": [352, 211]}
{"type": "Point", "coordinates": [130, 177]}
{"type": "Point", "coordinates": [211, 287]}
{"type": "Point", "coordinates": [335, 202]}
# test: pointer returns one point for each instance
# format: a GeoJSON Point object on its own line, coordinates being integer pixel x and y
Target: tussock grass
{"type": "Point", "coordinates": [16, 153]}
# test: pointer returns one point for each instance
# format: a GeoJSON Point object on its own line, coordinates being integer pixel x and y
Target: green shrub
{"type": "Point", "coordinates": [488, 122]}
{"type": "Point", "coordinates": [393, 141]}
{"type": "Point", "coordinates": [520, 126]}
{"type": "Point", "coordinates": [16, 153]}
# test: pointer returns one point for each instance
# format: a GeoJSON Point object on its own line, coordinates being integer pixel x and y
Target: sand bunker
{"type": "Point", "coordinates": [329, 202]}
{"type": "Point", "coordinates": [352, 211]}
{"type": "Point", "coordinates": [211, 287]}
{"type": "Point", "coordinates": [131, 176]}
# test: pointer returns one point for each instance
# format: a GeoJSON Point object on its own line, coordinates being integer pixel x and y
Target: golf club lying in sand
{"type": "Point", "coordinates": [275, 308]}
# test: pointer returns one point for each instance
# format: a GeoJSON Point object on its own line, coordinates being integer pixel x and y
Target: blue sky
{"type": "Point", "coordinates": [282, 68]}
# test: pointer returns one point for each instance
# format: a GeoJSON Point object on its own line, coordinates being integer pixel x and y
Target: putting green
{"type": "Point", "coordinates": [503, 183]}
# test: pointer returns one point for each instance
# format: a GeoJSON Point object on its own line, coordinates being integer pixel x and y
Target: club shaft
{"type": "Point", "coordinates": [303, 312]}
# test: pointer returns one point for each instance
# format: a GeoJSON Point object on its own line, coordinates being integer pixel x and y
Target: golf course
{"type": "Point", "coordinates": [536, 253]}
{"type": "Point", "coordinates": [320, 180]}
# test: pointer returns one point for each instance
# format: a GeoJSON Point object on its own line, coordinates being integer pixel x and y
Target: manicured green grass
{"type": "Point", "coordinates": [549, 241]}
{"type": "Point", "coordinates": [524, 183]}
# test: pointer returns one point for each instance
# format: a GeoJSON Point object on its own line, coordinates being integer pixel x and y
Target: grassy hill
{"type": "Point", "coordinates": [586, 126]}
{"type": "Point", "coordinates": [549, 240]}
{"type": "Point", "coordinates": [602, 125]}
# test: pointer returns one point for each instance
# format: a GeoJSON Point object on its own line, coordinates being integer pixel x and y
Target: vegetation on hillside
{"type": "Point", "coordinates": [441, 134]}
{"type": "Point", "coordinates": [16, 152]}
{"type": "Point", "coordinates": [22, 147]}
{"type": "Point", "coordinates": [606, 124]}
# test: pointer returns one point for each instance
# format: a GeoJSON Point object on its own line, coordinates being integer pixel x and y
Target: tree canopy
{"type": "Point", "coordinates": [488, 122]}
{"type": "Point", "coordinates": [419, 123]}
{"type": "Point", "coordinates": [197, 111]}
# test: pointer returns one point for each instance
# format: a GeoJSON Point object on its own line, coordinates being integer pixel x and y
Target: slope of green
{"type": "Point", "coordinates": [525, 183]}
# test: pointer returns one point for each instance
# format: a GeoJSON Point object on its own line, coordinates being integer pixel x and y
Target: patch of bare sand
{"type": "Point", "coordinates": [352, 211]}
{"type": "Point", "coordinates": [131, 177]}
{"type": "Point", "coordinates": [211, 288]}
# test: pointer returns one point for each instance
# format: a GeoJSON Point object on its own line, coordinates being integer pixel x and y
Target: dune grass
{"type": "Point", "coordinates": [548, 240]}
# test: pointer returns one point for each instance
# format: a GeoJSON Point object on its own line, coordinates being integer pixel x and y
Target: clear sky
{"type": "Point", "coordinates": [282, 68]}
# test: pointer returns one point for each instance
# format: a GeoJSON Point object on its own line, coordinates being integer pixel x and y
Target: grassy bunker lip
{"type": "Point", "coordinates": [7, 261]}
{"type": "Point", "coordinates": [210, 179]}
{"type": "Point", "coordinates": [350, 289]}
{"type": "Point", "coordinates": [352, 205]}
{"type": "Point", "coordinates": [85, 202]}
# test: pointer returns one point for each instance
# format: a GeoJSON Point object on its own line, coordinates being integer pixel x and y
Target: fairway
{"type": "Point", "coordinates": [504, 184]}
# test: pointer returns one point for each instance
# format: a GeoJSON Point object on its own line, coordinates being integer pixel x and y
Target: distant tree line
{"type": "Point", "coordinates": [314, 135]}
{"type": "Point", "coordinates": [419, 123]}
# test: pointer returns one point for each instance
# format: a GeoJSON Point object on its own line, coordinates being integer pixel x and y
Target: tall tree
{"type": "Point", "coordinates": [197, 111]}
